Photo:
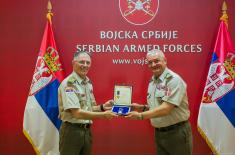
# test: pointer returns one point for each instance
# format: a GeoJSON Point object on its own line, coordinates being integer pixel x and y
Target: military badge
{"type": "Point", "coordinates": [69, 89]}
{"type": "Point", "coordinates": [138, 12]}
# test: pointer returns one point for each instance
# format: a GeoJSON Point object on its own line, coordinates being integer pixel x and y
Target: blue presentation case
{"type": "Point", "coordinates": [121, 109]}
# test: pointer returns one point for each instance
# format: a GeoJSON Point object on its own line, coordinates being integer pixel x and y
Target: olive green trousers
{"type": "Point", "coordinates": [74, 139]}
{"type": "Point", "coordinates": [176, 141]}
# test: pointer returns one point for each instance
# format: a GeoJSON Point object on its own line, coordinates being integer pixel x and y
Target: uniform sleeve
{"type": "Point", "coordinates": [93, 101]}
{"type": "Point", "coordinates": [69, 98]}
{"type": "Point", "coordinates": [175, 91]}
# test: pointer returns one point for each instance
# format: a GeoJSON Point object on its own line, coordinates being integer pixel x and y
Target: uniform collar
{"type": "Point", "coordinates": [166, 74]}
{"type": "Point", "coordinates": [79, 79]}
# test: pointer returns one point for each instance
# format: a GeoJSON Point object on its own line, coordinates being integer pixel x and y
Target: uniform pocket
{"type": "Point", "coordinates": [159, 93]}
{"type": "Point", "coordinates": [82, 104]}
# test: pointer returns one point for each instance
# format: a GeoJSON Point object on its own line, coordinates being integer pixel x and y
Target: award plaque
{"type": "Point", "coordinates": [122, 99]}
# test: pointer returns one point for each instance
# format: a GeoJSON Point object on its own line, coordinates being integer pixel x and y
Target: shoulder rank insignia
{"type": "Point", "coordinates": [71, 80]}
{"type": "Point", "coordinates": [90, 82]}
{"type": "Point", "coordinates": [168, 75]}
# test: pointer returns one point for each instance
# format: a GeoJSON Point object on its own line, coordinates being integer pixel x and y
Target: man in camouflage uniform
{"type": "Point", "coordinates": [77, 108]}
{"type": "Point", "coordinates": [167, 108]}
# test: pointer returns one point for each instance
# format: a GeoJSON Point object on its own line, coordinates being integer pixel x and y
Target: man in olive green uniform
{"type": "Point", "coordinates": [77, 108]}
{"type": "Point", "coordinates": [167, 108]}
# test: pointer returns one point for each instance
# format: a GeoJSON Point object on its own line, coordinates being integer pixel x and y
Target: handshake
{"type": "Point", "coordinates": [132, 111]}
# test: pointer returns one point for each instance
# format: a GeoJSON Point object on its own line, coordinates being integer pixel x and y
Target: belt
{"type": "Point", "coordinates": [171, 127]}
{"type": "Point", "coordinates": [79, 125]}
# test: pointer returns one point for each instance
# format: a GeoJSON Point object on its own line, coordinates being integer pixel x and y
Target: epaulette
{"type": "Point", "coordinates": [151, 80]}
{"type": "Point", "coordinates": [71, 80]}
{"type": "Point", "coordinates": [168, 76]}
{"type": "Point", "coordinates": [90, 82]}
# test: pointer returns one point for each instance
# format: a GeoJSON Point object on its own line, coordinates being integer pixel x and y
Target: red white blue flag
{"type": "Point", "coordinates": [41, 123]}
{"type": "Point", "coordinates": [216, 120]}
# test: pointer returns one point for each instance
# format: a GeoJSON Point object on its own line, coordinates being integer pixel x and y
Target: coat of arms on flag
{"type": "Point", "coordinates": [220, 79]}
{"type": "Point", "coordinates": [45, 67]}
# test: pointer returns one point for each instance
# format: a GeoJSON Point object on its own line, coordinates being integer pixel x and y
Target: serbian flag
{"type": "Point", "coordinates": [41, 123]}
{"type": "Point", "coordinates": [216, 120]}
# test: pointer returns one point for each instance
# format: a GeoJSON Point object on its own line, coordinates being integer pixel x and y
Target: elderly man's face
{"type": "Point", "coordinates": [157, 64]}
{"type": "Point", "coordinates": [82, 64]}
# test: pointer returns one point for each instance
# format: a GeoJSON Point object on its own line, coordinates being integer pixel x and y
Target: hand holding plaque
{"type": "Point", "coordinates": [122, 99]}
